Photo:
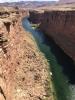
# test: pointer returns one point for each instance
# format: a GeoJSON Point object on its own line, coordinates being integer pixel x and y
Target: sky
{"type": "Point", "coordinates": [1, 1]}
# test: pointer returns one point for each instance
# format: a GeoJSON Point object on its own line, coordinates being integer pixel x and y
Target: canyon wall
{"type": "Point", "coordinates": [23, 69]}
{"type": "Point", "coordinates": [60, 25]}
{"type": "Point", "coordinates": [9, 28]}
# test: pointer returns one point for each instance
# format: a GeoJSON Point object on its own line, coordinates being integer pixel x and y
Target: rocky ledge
{"type": "Point", "coordinates": [23, 69]}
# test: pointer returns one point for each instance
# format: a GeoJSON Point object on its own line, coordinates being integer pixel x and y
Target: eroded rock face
{"type": "Point", "coordinates": [7, 31]}
{"type": "Point", "coordinates": [60, 25]}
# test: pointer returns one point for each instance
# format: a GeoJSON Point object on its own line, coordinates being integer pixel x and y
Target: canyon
{"type": "Point", "coordinates": [23, 68]}
{"type": "Point", "coordinates": [60, 25]}
{"type": "Point", "coordinates": [29, 69]}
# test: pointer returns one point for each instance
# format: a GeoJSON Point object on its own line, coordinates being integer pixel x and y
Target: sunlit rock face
{"type": "Point", "coordinates": [22, 68]}
{"type": "Point", "coordinates": [9, 27]}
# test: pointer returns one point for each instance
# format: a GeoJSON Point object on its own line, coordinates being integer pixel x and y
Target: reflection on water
{"type": "Point", "coordinates": [61, 65]}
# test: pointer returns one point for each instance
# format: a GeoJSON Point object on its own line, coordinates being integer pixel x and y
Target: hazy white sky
{"type": "Point", "coordinates": [23, 0]}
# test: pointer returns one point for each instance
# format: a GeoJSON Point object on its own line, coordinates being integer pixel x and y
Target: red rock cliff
{"type": "Point", "coordinates": [60, 25]}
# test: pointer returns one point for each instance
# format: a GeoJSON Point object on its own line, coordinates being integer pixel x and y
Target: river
{"type": "Point", "coordinates": [61, 65]}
